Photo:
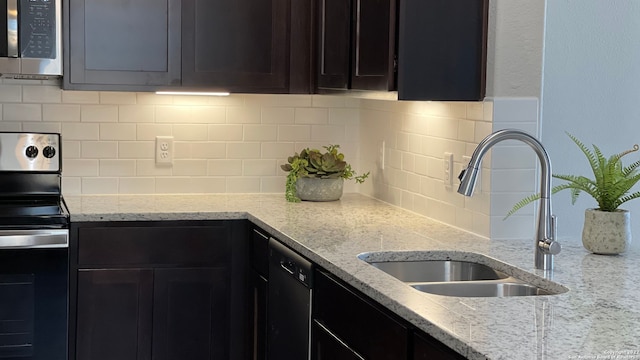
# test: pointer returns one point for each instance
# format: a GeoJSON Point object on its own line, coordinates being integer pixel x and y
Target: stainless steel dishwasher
{"type": "Point", "coordinates": [289, 304]}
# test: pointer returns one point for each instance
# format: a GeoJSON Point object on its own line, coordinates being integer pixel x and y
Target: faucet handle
{"type": "Point", "coordinates": [549, 246]}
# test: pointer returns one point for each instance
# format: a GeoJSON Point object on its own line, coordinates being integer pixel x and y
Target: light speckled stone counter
{"type": "Point", "coordinates": [599, 317]}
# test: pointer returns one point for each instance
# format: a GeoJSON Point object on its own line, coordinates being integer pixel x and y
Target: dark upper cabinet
{"type": "Point", "coordinates": [121, 44]}
{"type": "Point", "coordinates": [356, 44]}
{"type": "Point", "coordinates": [144, 45]}
{"type": "Point", "coordinates": [442, 49]}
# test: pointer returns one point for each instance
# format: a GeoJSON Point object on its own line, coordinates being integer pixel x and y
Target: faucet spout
{"type": "Point", "coordinates": [545, 244]}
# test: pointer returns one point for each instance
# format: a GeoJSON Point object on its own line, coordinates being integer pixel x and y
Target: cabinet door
{"type": "Point", "coordinates": [442, 49]}
{"type": "Point", "coordinates": [356, 322]}
{"type": "Point", "coordinates": [114, 310]}
{"type": "Point", "coordinates": [191, 317]}
{"type": "Point", "coordinates": [258, 287]}
{"type": "Point", "coordinates": [374, 29]}
{"type": "Point", "coordinates": [425, 347]}
{"type": "Point", "coordinates": [239, 45]}
{"type": "Point", "coordinates": [122, 44]}
{"type": "Point", "coordinates": [325, 346]}
{"type": "Point", "coordinates": [334, 27]}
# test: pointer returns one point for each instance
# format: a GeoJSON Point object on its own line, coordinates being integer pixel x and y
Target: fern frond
{"type": "Point", "coordinates": [522, 203]}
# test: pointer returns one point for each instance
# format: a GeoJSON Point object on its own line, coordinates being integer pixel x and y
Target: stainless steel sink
{"type": "Point", "coordinates": [481, 289]}
{"type": "Point", "coordinates": [463, 278]}
{"type": "Point", "coordinates": [438, 270]}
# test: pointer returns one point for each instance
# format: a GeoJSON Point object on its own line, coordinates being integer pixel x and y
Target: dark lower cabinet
{"type": "Point", "coordinates": [258, 275]}
{"type": "Point", "coordinates": [427, 348]}
{"type": "Point", "coordinates": [349, 326]}
{"type": "Point", "coordinates": [158, 291]}
{"type": "Point", "coordinates": [114, 314]}
{"type": "Point", "coordinates": [349, 320]}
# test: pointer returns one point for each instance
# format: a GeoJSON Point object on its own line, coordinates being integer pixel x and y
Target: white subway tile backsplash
{"type": "Point", "coordinates": [22, 112]}
{"type": "Point", "coordinates": [237, 144]}
{"type": "Point", "coordinates": [316, 116]}
{"type": "Point", "coordinates": [136, 113]}
{"type": "Point", "coordinates": [80, 97]}
{"type": "Point", "coordinates": [148, 167]}
{"type": "Point", "coordinates": [60, 112]}
{"type": "Point", "coordinates": [208, 115]}
{"type": "Point", "coordinates": [115, 97]}
{"type": "Point", "coordinates": [259, 168]}
{"type": "Point", "coordinates": [150, 131]}
{"type": "Point", "coordinates": [37, 126]}
{"type": "Point", "coordinates": [190, 132]}
{"type": "Point", "coordinates": [281, 115]}
{"type": "Point", "coordinates": [294, 133]}
{"type": "Point", "coordinates": [110, 131]}
{"type": "Point", "coordinates": [117, 168]}
{"type": "Point", "coordinates": [10, 93]}
{"type": "Point", "coordinates": [243, 115]}
{"type": "Point", "coordinates": [190, 167]}
{"type": "Point", "coordinates": [99, 113]}
{"type": "Point", "coordinates": [99, 149]}
{"type": "Point", "coordinates": [137, 185]}
{"type": "Point", "coordinates": [100, 185]}
{"type": "Point", "coordinates": [136, 149]}
{"type": "Point", "coordinates": [243, 185]}
{"type": "Point", "coordinates": [80, 167]}
{"type": "Point", "coordinates": [79, 131]}
{"type": "Point", "coordinates": [41, 94]}
{"type": "Point", "coordinates": [260, 132]}
{"type": "Point", "coordinates": [224, 167]}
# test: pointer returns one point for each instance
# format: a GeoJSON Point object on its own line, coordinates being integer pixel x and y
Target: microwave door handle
{"type": "Point", "coordinates": [12, 28]}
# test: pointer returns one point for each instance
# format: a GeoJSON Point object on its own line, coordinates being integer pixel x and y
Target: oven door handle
{"type": "Point", "coordinates": [33, 241]}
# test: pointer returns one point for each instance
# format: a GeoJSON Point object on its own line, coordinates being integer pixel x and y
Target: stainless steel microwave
{"type": "Point", "coordinates": [31, 38]}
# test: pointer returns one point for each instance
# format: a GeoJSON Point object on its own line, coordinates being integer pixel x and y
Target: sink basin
{"type": "Point", "coordinates": [481, 289]}
{"type": "Point", "coordinates": [438, 270]}
{"type": "Point", "coordinates": [460, 277]}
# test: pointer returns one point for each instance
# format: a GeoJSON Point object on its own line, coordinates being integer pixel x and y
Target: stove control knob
{"type": "Point", "coordinates": [49, 152]}
{"type": "Point", "coordinates": [31, 152]}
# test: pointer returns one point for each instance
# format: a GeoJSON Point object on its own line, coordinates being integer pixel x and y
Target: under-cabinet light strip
{"type": "Point", "coordinates": [192, 93]}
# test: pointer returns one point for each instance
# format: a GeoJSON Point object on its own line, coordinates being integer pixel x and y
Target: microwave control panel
{"type": "Point", "coordinates": [37, 29]}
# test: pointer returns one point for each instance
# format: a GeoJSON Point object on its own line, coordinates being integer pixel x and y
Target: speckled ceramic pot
{"type": "Point", "coordinates": [605, 232]}
{"type": "Point", "coordinates": [315, 189]}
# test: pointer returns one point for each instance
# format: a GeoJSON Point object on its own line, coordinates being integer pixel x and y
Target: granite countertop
{"type": "Point", "coordinates": [598, 318]}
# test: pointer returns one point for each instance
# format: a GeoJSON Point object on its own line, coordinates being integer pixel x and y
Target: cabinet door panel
{"type": "Point", "coordinates": [373, 45]}
{"type": "Point", "coordinates": [325, 346]}
{"type": "Point", "coordinates": [235, 45]}
{"type": "Point", "coordinates": [114, 314]}
{"type": "Point", "coordinates": [425, 347]}
{"type": "Point", "coordinates": [143, 246]}
{"type": "Point", "coordinates": [334, 22]}
{"type": "Point", "coordinates": [132, 43]}
{"type": "Point", "coordinates": [191, 314]}
{"type": "Point", "coordinates": [442, 49]}
{"type": "Point", "coordinates": [364, 328]}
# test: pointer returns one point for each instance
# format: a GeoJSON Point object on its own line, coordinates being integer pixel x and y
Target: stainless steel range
{"type": "Point", "coordinates": [34, 232]}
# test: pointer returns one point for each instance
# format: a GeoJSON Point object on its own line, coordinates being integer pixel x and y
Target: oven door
{"type": "Point", "coordinates": [33, 294]}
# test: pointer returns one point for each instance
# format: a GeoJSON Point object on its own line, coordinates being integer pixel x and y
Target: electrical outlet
{"type": "Point", "coordinates": [447, 167]}
{"type": "Point", "coordinates": [164, 150]}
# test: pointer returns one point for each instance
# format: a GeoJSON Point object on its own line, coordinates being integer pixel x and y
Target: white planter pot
{"type": "Point", "coordinates": [315, 189]}
{"type": "Point", "coordinates": [607, 233]}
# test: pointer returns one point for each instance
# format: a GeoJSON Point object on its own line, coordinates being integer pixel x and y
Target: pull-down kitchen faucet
{"type": "Point", "coordinates": [545, 244]}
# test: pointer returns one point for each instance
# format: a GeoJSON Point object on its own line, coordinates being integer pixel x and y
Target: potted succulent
{"type": "Point", "coordinates": [607, 229]}
{"type": "Point", "coordinates": [318, 176]}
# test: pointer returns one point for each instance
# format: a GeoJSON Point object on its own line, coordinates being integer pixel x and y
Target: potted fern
{"type": "Point", "coordinates": [607, 228]}
{"type": "Point", "coordinates": [318, 176]}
